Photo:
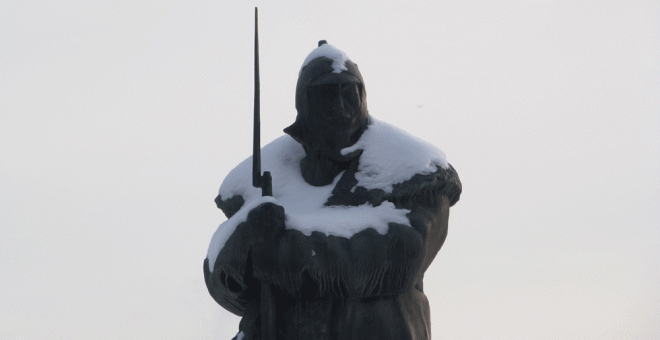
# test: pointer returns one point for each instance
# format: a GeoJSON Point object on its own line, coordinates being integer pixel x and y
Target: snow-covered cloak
{"type": "Point", "coordinates": [350, 261]}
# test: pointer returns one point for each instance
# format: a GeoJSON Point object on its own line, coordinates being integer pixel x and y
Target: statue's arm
{"type": "Point", "coordinates": [430, 220]}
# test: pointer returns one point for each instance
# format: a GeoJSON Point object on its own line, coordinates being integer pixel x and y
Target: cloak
{"type": "Point", "coordinates": [348, 259]}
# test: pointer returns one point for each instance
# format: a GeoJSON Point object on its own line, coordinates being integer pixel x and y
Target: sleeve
{"type": "Point", "coordinates": [226, 281]}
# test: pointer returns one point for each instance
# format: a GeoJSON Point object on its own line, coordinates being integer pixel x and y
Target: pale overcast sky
{"type": "Point", "coordinates": [119, 121]}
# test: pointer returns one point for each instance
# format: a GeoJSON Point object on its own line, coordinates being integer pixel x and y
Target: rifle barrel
{"type": "Point", "coordinates": [256, 147]}
{"type": "Point", "coordinates": [267, 305]}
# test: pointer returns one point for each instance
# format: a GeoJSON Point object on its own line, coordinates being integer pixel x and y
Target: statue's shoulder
{"type": "Point", "coordinates": [395, 166]}
{"type": "Point", "coordinates": [400, 165]}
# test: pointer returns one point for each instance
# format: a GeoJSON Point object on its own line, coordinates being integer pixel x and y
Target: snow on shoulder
{"type": "Point", "coordinates": [338, 57]}
{"type": "Point", "coordinates": [393, 156]}
{"type": "Point", "coordinates": [389, 156]}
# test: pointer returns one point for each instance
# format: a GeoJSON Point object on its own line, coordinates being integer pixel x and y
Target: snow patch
{"type": "Point", "coordinates": [393, 156]}
{"type": "Point", "coordinates": [346, 221]}
{"type": "Point", "coordinates": [338, 57]}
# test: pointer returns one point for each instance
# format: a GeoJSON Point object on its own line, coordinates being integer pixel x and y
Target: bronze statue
{"type": "Point", "coordinates": [359, 209]}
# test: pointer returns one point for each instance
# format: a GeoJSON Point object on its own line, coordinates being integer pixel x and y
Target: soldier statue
{"type": "Point", "coordinates": [358, 212]}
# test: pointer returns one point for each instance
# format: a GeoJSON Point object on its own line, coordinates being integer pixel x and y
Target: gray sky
{"type": "Point", "coordinates": [119, 120]}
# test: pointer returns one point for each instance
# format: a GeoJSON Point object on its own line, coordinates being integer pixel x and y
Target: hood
{"type": "Point", "coordinates": [327, 65]}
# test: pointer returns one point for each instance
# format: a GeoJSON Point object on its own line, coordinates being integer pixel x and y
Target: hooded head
{"type": "Point", "coordinates": [331, 104]}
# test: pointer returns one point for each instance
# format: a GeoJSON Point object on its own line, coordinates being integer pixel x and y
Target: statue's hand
{"type": "Point", "coordinates": [267, 225]}
{"type": "Point", "coordinates": [267, 221]}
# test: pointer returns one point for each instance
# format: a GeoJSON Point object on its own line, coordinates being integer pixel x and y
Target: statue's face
{"type": "Point", "coordinates": [333, 106]}
{"type": "Point", "coordinates": [335, 117]}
